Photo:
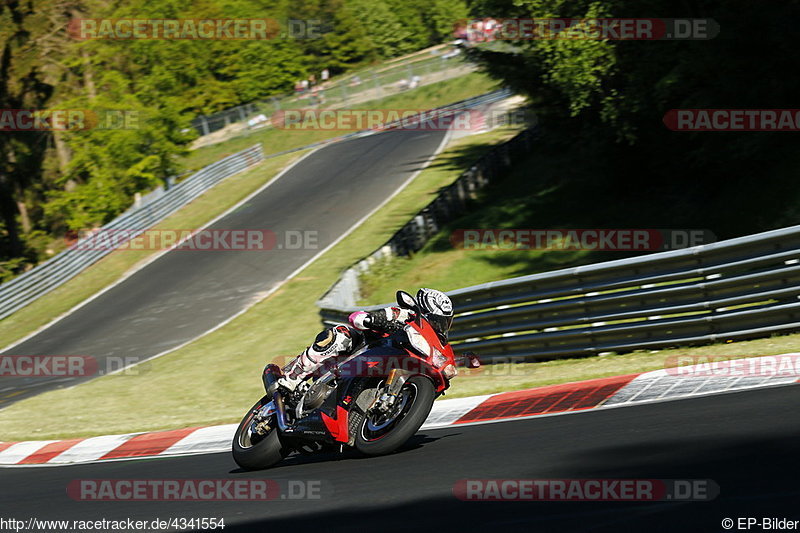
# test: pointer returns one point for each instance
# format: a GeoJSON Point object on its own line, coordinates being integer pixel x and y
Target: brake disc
{"type": "Point", "coordinates": [366, 398]}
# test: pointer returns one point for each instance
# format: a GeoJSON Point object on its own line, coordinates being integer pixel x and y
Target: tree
{"type": "Point", "coordinates": [388, 34]}
{"type": "Point", "coordinates": [55, 181]}
{"type": "Point", "coordinates": [610, 97]}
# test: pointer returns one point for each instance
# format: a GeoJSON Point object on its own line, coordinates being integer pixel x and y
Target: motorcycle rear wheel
{"type": "Point", "coordinates": [252, 453]}
{"type": "Point", "coordinates": [377, 436]}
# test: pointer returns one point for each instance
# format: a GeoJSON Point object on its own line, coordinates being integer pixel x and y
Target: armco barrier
{"type": "Point", "coordinates": [344, 91]}
{"type": "Point", "coordinates": [451, 202]}
{"type": "Point", "coordinates": [474, 103]}
{"type": "Point", "coordinates": [740, 288]}
{"type": "Point", "coordinates": [43, 278]}
{"type": "Point", "coordinates": [26, 288]}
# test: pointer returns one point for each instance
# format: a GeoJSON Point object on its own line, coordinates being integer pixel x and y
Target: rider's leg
{"type": "Point", "coordinates": [329, 343]}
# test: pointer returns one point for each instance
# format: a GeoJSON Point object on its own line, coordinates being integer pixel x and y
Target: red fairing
{"type": "Point", "coordinates": [433, 339]}
{"type": "Point", "coordinates": [337, 427]}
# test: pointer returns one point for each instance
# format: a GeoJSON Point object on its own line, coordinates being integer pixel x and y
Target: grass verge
{"type": "Point", "coordinates": [113, 266]}
{"type": "Point", "coordinates": [276, 140]}
{"type": "Point", "coordinates": [537, 193]}
{"type": "Point", "coordinates": [222, 197]}
{"type": "Point", "coordinates": [215, 379]}
{"type": "Point", "coordinates": [504, 377]}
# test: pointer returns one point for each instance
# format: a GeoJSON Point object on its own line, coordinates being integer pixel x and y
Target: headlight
{"type": "Point", "coordinates": [449, 371]}
{"type": "Point", "coordinates": [439, 360]}
{"type": "Point", "coordinates": [418, 341]}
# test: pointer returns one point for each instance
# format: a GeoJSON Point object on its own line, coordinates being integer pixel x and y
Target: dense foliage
{"type": "Point", "coordinates": [605, 101]}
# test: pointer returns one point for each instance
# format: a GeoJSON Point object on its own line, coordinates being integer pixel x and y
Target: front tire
{"type": "Point", "coordinates": [255, 452]}
{"type": "Point", "coordinates": [372, 439]}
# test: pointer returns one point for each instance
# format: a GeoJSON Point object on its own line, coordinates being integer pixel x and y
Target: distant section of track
{"type": "Point", "coordinates": [746, 442]}
{"type": "Point", "coordinates": [186, 293]}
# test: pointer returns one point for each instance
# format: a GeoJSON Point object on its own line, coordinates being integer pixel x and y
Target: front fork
{"type": "Point", "coordinates": [386, 401]}
{"type": "Point", "coordinates": [272, 373]}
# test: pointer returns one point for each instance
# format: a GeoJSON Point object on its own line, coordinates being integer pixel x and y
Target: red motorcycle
{"type": "Point", "coordinates": [374, 400]}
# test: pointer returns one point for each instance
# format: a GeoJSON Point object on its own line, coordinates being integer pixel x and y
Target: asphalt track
{"type": "Point", "coordinates": [185, 293]}
{"type": "Point", "coordinates": [747, 442]}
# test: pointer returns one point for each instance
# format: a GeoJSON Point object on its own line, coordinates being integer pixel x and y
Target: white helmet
{"type": "Point", "coordinates": [437, 308]}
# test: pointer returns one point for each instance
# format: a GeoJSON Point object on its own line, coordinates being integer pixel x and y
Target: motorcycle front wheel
{"type": "Point", "coordinates": [256, 448]}
{"type": "Point", "coordinates": [382, 433]}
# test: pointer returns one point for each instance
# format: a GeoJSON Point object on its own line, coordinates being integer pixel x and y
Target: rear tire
{"type": "Point", "coordinates": [406, 427]}
{"type": "Point", "coordinates": [261, 454]}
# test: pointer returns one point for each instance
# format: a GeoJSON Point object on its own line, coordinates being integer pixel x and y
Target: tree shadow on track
{"type": "Point", "coordinates": [349, 454]}
{"type": "Point", "coordinates": [757, 477]}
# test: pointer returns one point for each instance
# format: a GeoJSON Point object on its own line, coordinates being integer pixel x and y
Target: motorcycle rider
{"type": "Point", "coordinates": [435, 306]}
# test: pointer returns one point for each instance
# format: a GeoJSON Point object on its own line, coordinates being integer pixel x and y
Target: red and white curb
{"type": "Point", "coordinates": [616, 391]}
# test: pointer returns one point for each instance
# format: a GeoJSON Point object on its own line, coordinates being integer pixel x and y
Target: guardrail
{"type": "Point", "coordinates": [25, 288]}
{"type": "Point", "coordinates": [461, 105]}
{"type": "Point", "coordinates": [451, 202]}
{"type": "Point", "coordinates": [343, 91]}
{"type": "Point", "coordinates": [45, 277]}
{"type": "Point", "coordinates": [746, 287]}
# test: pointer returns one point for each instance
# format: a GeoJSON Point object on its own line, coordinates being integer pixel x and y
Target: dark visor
{"type": "Point", "coordinates": [440, 323]}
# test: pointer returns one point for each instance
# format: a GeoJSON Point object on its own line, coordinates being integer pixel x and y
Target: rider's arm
{"type": "Point", "coordinates": [387, 319]}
